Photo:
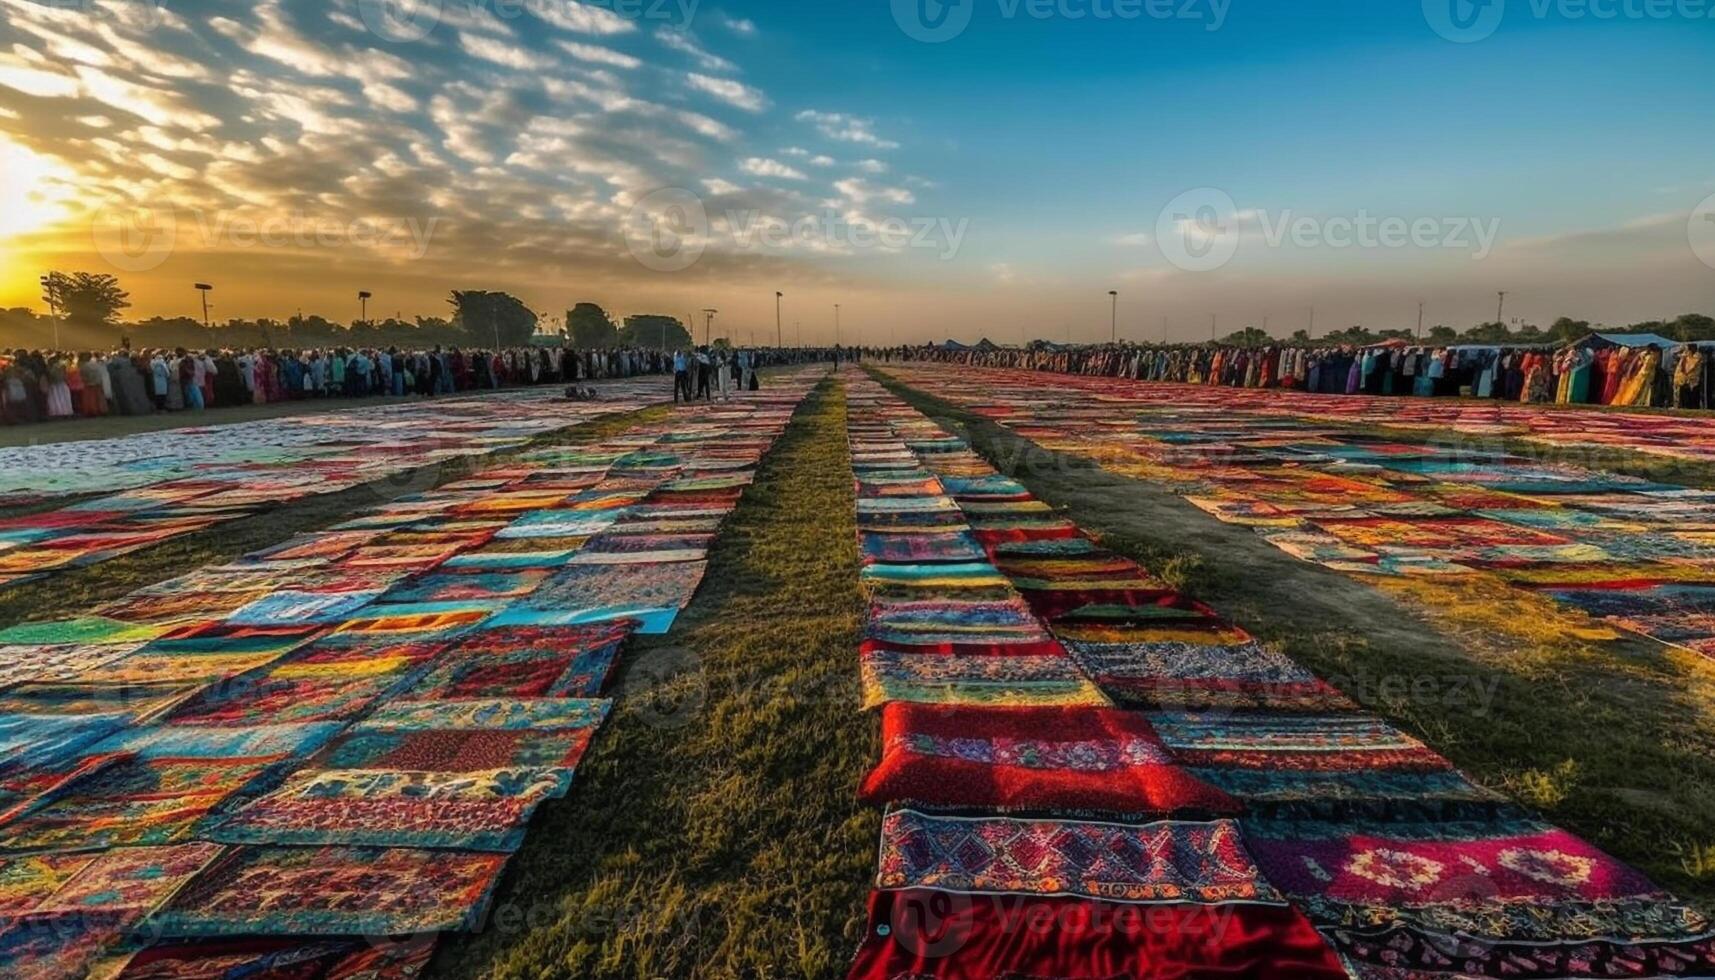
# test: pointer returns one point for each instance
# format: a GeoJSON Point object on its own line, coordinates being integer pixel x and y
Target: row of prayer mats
{"type": "Point", "coordinates": [1087, 774]}
{"type": "Point", "coordinates": [1639, 554]}
{"type": "Point", "coordinates": [281, 766]}
{"type": "Point", "coordinates": [186, 480]}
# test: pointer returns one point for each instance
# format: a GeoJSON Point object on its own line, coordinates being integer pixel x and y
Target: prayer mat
{"type": "Point", "coordinates": [333, 891]}
{"type": "Point", "coordinates": [1166, 861]}
{"type": "Point", "coordinates": [1358, 794]}
{"type": "Point", "coordinates": [479, 811]}
{"type": "Point", "coordinates": [940, 678]}
{"type": "Point", "coordinates": [501, 714]}
{"type": "Point", "coordinates": [455, 750]}
{"type": "Point", "coordinates": [54, 946]}
{"type": "Point", "coordinates": [93, 630]}
{"type": "Point", "coordinates": [523, 662]}
{"type": "Point", "coordinates": [291, 607]}
{"type": "Point", "coordinates": [259, 698]}
{"type": "Point", "coordinates": [1061, 759]}
{"type": "Point", "coordinates": [20, 663]}
{"type": "Point", "coordinates": [1509, 898]}
{"type": "Point", "coordinates": [132, 879]}
{"type": "Point", "coordinates": [30, 742]}
{"type": "Point", "coordinates": [132, 803]}
{"type": "Point", "coordinates": [27, 882]}
{"type": "Point", "coordinates": [141, 703]}
{"type": "Point", "coordinates": [272, 959]}
{"type": "Point", "coordinates": [478, 585]}
{"type": "Point", "coordinates": [596, 592]}
{"type": "Point", "coordinates": [920, 933]}
{"type": "Point", "coordinates": [1196, 678]}
{"type": "Point", "coordinates": [952, 547]}
{"type": "Point", "coordinates": [1318, 743]}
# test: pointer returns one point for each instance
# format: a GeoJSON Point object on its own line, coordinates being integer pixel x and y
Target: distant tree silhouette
{"type": "Point", "coordinates": [588, 325]}
{"type": "Point", "coordinates": [654, 330]}
{"type": "Point", "coordinates": [485, 318]}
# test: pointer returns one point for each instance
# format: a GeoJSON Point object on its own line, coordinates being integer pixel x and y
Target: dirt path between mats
{"type": "Point", "coordinates": [714, 829]}
{"type": "Point", "coordinates": [75, 592]}
{"type": "Point", "coordinates": [1616, 743]}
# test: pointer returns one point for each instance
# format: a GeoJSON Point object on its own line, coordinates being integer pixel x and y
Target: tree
{"type": "Point", "coordinates": [1248, 337]}
{"type": "Point", "coordinates": [484, 317]}
{"type": "Point", "coordinates": [85, 299]}
{"type": "Point", "coordinates": [1301, 336]}
{"type": "Point", "coordinates": [588, 325]}
{"type": "Point", "coordinates": [655, 331]}
{"type": "Point", "coordinates": [1442, 334]}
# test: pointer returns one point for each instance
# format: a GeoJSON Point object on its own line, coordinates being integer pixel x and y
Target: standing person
{"type": "Point", "coordinates": [95, 381]}
{"type": "Point", "coordinates": [703, 373]}
{"type": "Point", "coordinates": [158, 377]}
{"type": "Point", "coordinates": [681, 377]}
{"type": "Point", "coordinates": [189, 370]}
{"type": "Point", "coordinates": [205, 377]}
{"type": "Point", "coordinates": [56, 391]}
{"type": "Point", "coordinates": [723, 376]}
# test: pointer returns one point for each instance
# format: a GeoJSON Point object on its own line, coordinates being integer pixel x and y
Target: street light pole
{"type": "Point", "coordinates": [204, 288]}
{"type": "Point", "coordinates": [1114, 327]}
{"type": "Point", "coordinates": [836, 324]}
{"type": "Point", "coordinates": [779, 337]}
{"type": "Point", "coordinates": [363, 306]}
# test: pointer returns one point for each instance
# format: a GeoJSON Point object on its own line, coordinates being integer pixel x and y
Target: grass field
{"type": "Point", "coordinates": [1615, 741]}
{"type": "Point", "coordinates": [715, 830]}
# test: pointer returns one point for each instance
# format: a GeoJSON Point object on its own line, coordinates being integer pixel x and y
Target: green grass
{"type": "Point", "coordinates": [1614, 741]}
{"type": "Point", "coordinates": [714, 828]}
{"type": "Point", "coordinates": [75, 592]}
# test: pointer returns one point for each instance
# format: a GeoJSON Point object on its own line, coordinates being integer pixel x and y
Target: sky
{"type": "Point", "coordinates": [936, 169]}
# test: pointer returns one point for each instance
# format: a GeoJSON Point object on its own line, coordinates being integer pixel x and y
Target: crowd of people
{"type": "Point", "coordinates": [1645, 374]}
{"type": "Point", "coordinates": [38, 385]}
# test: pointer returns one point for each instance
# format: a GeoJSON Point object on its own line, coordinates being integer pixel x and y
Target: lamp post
{"type": "Point", "coordinates": [708, 325]}
{"type": "Point", "coordinates": [836, 324]}
{"type": "Point", "coordinates": [204, 288]}
{"type": "Point", "coordinates": [779, 340]}
{"type": "Point", "coordinates": [1114, 332]}
{"type": "Point", "coordinates": [363, 306]}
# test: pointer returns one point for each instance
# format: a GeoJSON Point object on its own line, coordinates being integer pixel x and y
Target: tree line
{"type": "Point", "coordinates": [86, 312]}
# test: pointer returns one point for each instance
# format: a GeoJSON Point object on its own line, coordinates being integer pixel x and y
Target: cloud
{"type": "Point", "coordinates": [845, 129]}
{"type": "Point", "coordinates": [597, 54]}
{"type": "Point", "coordinates": [682, 42]}
{"type": "Point", "coordinates": [1135, 239]}
{"type": "Point", "coordinates": [581, 18]}
{"type": "Point", "coordinates": [764, 167]}
{"type": "Point", "coordinates": [731, 92]}
{"type": "Point", "coordinates": [742, 26]}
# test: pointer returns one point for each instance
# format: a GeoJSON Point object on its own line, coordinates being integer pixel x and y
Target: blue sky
{"type": "Point", "coordinates": [997, 182]}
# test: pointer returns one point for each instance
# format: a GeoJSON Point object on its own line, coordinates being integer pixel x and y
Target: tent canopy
{"type": "Point", "coordinates": [1603, 340]}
